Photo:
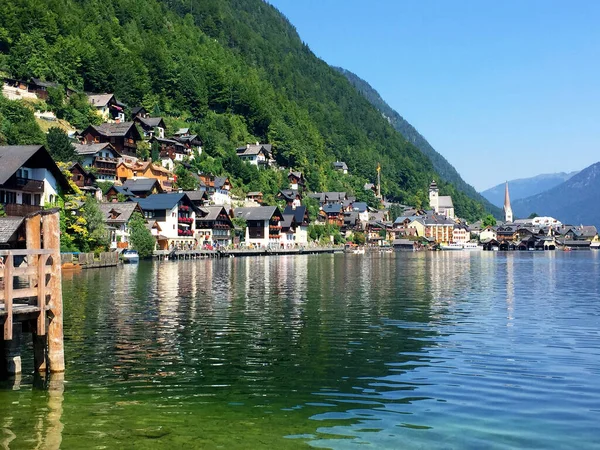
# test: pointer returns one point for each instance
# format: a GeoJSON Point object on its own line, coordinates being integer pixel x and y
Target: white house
{"type": "Point", "coordinates": [256, 154]}
{"type": "Point", "coordinates": [117, 216]}
{"type": "Point", "coordinates": [461, 234]}
{"type": "Point", "coordinates": [263, 225]}
{"type": "Point", "coordinates": [29, 179]}
{"type": "Point", "coordinates": [487, 234]}
{"type": "Point", "coordinates": [175, 215]}
{"type": "Point", "coordinates": [302, 220]}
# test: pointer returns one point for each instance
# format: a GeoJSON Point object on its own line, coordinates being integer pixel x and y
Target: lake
{"type": "Point", "coordinates": [446, 350]}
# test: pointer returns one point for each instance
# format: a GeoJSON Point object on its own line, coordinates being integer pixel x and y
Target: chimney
{"type": "Point", "coordinates": [257, 143]}
{"type": "Point", "coordinates": [247, 145]}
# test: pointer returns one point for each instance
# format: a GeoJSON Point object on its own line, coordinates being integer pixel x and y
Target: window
{"type": "Point", "coordinates": [23, 173]}
{"type": "Point", "coordinates": [26, 199]}
{"type": "Point", "coordinates": [8, 197]}
{"type": "Point", "coordinates": [37, 199]}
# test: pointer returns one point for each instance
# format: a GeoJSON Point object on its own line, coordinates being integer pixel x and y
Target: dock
{"type": "Point", "coordinates": [31, 297]}
{"type": "Point", "coordinates": [225, 253]}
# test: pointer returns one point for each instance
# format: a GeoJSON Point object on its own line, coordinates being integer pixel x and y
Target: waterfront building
{"type": "Point", "coordinates": [263, 227]}
{"type": "Point", "coordinates": [117, 216]}
{"type": "Point", "coordinates": [175, 214]}
{"type": "Point", "coordinates": [488, 234]}
{"type": "Point", "coordinates": [461, 234]}
{"type": "Point", "coordinates": [440, 204]}
{"type": "Point", "coordinates": [29, 179]}
{"type": "Point", "coordinates": [508, 214]}
{"type": "Point", "coordinates": [213, 226]}
{"type": "Point", "coordinates": [439, 228]}
{"type": "Point", "coordinates": [332, 214]}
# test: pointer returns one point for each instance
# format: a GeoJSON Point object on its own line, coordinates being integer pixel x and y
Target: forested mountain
{"type": "Point", "coordinates": [234, 71]}
{"type": "Point", "coordinates": [446, 171]}
{"type": "Point", "coordinates": [526, 187]}
{"type": "Point", "coordinates": [574, 202]}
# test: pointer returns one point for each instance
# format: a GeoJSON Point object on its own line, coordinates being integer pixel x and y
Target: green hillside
{"type": "Point", "coordinates": [441, 165]}
{"type": "Point", "coordinates": [234, 71]}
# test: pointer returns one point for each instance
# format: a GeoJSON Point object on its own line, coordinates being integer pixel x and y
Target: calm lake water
{"type": "Point", "coordinates": [427, 350]}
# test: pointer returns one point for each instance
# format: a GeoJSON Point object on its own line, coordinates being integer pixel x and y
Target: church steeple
{"type": "Point", "coordinates": [508, 214]}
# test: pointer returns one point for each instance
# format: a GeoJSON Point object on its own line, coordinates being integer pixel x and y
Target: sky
{"type": "Point", "coordinates": [503, 90]}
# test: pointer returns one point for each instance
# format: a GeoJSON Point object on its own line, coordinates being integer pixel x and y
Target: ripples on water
{"type": "Point", "coordinates": [431, 350]}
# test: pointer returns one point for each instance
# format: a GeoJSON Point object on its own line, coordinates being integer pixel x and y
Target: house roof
{"type": "Point", "coordinates": [253, 149]}
{"type": "Point", "coordinates": [402, 242]}
{"type": "Point", "coordinates": [182, 131]}
{"type": "Point", "coordinates": [368, 186]}
{"type": "Point", "coordinates": [220, 182]}
{"type": "Point", "coordinates": [164, 201]}
{"type": "Point", "coordinates": [115, 129]}
{"type": "Point", "coordinates": [8, 227]}
{"type": "Point", "coordinates": [100, 100]}
{"type": "Point", "coordinates": [92, 149]}
{"type": "Point", "coordinates": [254, 194]}
{"type": "Point", "coordinates": [299, 212]}
{"type": "Point", "coordinates": [137, 109]}
{"type": "Point", "coordinates": [211, 212]}
{"type": "Point", "coordinates": [45, 84]}
{"type": "Point", "coordinates": [332, 208]}
{"type": "Point", "coordinates": [152, 122]}
{"type": "Point", "coordinates": [288, 194]}
{"type": "Point", "coordinates": [142, 185]}
{"type": "Point", "coordinates": [121, 190]}
{"type": "Point", "coordinates": [13, 157]}
{"type": "Point", "coordinates": [436, 219]}
{"type": "Point", "coordinates": [445, 201]}
{"type": "Point", "coordinates": [82, 170]}
{"type": "Point", "coordinates": [197, 195]}
{"type": "Point", "coordinates": [296, 174]}
{"type": "Point", "coordinates": [359, 206]}
{"type": "Point", "coordinates": [340, 165]}
{"type": "Point", "coordinates": [257, 213]}
{"type": "Point", "coordinates": [124, 210]}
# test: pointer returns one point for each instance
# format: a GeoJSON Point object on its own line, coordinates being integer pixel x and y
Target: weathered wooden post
{"type": "Point", "coordinates": [33, 229]}
{"type": "Point", "coordinates": [56, 352]}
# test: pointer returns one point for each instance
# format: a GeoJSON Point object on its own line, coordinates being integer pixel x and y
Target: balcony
{"type": "Point", "coordinates": [13, 209]}
{"type": "Point", "coordinates": [186, 220]}
{"type": "Point", "coordinates": [181, 232]}
{"type": "Point", "coordinates": [24, 184]}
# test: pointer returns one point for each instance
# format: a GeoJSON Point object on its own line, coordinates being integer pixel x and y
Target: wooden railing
{"type": "Point", "coordinates": [35, 265]}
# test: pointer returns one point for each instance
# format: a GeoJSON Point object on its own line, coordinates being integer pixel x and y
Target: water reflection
{"type": "Point", "coordinates": [32, 418]}
{"type": "Point", "coordinates": [401, 350]}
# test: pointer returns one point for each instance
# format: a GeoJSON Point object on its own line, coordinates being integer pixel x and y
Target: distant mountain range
{"type": "Point", "coordinates": [446, 171]}
{"type": "Point", "coordinates": [575, 201]}
{"type": "Point", "coordinates": [525, 187]}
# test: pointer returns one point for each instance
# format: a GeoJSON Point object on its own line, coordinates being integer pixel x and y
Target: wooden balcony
{"type": "Point", "coordinates": [13, 209]}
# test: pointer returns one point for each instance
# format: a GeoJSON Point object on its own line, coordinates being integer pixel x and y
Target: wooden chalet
{"type": "Point", "coordinates": [122, 136]}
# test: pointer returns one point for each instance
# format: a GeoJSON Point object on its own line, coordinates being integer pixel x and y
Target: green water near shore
{"type": "Point", "coordinates": [452, 350]}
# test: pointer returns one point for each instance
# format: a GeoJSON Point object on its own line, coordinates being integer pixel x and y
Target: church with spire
{"type": "Point", "coordinates": [508, 214]}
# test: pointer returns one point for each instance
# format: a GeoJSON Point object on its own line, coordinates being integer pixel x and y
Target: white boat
{"type": "Point", "coordinates": [453, 246]}
{"type": "Point", "coordinates": [130, 257]}
{"type": "Point", "coordinates": [472, 246]}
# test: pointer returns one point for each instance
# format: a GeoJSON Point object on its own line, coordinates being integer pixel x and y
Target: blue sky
{"type": "Point", "coordinates": [503, 90]}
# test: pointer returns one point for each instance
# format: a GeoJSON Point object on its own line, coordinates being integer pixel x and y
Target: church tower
{"type": "Point", "coordinates": [434, 198]}
{"type": "Point", "coordinates": [508, 214]}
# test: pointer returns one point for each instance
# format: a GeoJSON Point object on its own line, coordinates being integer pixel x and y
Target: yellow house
{"type": "Point", "coordinates": [133, 171]}
{"type": "Point", "coordinates": [418, 225]}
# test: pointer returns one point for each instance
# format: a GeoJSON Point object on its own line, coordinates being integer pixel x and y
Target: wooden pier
{"type": "Point", "coordinates": [31, 297]}
{"type": "Point", "coordinates": [201, 253]}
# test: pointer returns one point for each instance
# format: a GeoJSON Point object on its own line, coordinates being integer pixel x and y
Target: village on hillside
{"type": "Point", "coordinates": [211, 216]}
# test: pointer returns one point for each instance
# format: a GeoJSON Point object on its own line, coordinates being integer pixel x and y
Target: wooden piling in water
{"type": "Point", "coordinates": [37, 307]}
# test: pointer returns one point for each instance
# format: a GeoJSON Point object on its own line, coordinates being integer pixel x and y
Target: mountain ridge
{"type": "Point", "coordinates": [446, 171]}
{"type": "Point", "coordinates": [573, 202]}
{"type": "Point", "coordinates": [526, 187]}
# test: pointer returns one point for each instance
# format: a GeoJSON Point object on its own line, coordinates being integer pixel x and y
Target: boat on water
{"type": "Point", "coordinates": [453, 246]}
{"type": "Point", "coordinates": [130, 257]}
{"type": "Point", "coordinates": [354, 249]}
{"type": "Point", "coordinates": [472, 246]}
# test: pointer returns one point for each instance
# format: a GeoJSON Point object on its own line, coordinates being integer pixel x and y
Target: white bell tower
{"type": "Point", "coordinates": [434, 198]}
